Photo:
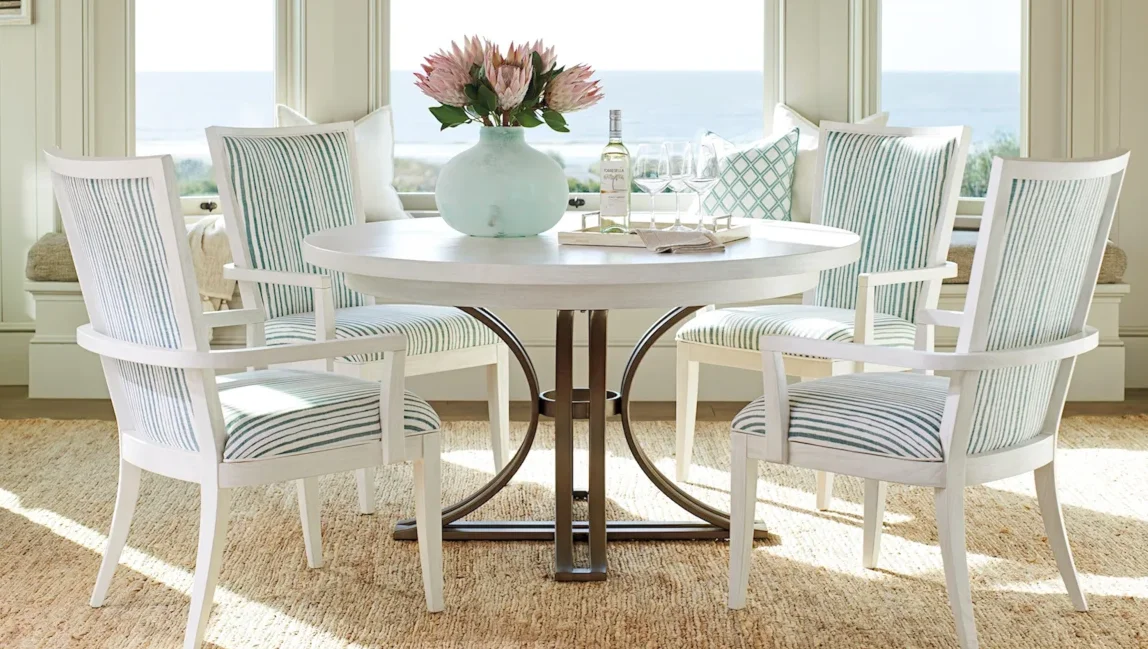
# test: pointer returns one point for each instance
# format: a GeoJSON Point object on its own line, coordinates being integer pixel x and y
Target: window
{"type": "Point", "coordinates": [200, 64]}
{"type": "Point", "coordinates": [950, 62]}
{"type": "Point", "coordinates": [673, 70]}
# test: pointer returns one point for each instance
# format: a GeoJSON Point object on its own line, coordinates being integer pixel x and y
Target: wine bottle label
{"type": "Point", "coordinates": [615, 195]}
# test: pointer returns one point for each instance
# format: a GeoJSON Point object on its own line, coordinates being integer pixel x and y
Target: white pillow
{"type": "Point", "coordinates": [805, 171]}
{"type": "Point", "coordinates": [375, 150]}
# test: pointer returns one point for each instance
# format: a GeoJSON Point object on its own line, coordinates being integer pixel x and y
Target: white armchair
{"type": "Point", "coordinates": [898, 189]}
{"type": "Point", "coordinates": [179, 418]}
{"type": "Point", "coordinates": [997, 412]}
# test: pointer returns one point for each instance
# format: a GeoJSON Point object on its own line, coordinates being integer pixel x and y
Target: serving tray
{"type": "Point", "coordinates": [725, 227]}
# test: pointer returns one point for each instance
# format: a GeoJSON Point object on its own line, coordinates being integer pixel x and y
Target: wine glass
{"type": "Point", "coordinates": [706, 173]}
{"type": "Point", "coordinates": [681, 159]}
{"type": "Point", "coordinates": [651, 172]}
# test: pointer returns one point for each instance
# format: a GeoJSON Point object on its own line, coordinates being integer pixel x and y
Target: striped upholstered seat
{"type": "Point", "coordinates": [288, 186]}
{"type": "Point", "coordinates": [429, 329]}
{"type": "Point", "coordinates": [743, 327]}
{"type": "Point", "coordinates": [283, 412]}
{"type": "Point", "coordinates": [882, 413]}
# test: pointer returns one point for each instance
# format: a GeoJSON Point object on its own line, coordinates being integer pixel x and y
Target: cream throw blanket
{"type": "Point", "coordinates": [209, 252]}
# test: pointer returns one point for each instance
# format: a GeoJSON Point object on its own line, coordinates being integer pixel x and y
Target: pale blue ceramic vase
{"type": "Point", "coordinates": [502, 187]}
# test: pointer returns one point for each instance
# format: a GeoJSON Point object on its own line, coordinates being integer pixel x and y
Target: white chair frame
{"type": "Point", "coordinates": [958, 468]}
{"type": "Point", "coordinates": [206, 466]}
{"type": "Point", "coordinates": [691, 355]}
{"type": "Point", "coordinates": [494, 358]}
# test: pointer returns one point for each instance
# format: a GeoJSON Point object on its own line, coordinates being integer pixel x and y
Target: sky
{"type": "Point", "coordinates": [607, 34]}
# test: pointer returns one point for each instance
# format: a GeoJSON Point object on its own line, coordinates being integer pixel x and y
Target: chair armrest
{"type": "Point", "coordinates": [937, 361]}
{"type": "Point", "coordinates": [215, 319]}
{"type": "Point", "coordinates": [940, 317]}
{"type": "Point", "coordinates": [231, 271]}
{"type": "Point", "coordinates": [234, 359]}
{"type": "Point", "coordinates": [941, 271]}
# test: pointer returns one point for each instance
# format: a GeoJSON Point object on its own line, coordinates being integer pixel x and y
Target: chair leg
{"type": "Point", "coordinates": [687, 412]}
{"type": "Point", "coordinates": [951, 530]}
{"type": "Point", "coordinates": [874, 513]}
{"type": "Point", "coordinates": [428, 508]}
{"type": "Point", "coordinates": [824, 490]}
{"type": "Point", "coordinates": [743, 499]}
{"type": "Point", "coordinates": [365, 479]}
{"type": "Point", "coordinates": [214, 506]}
{"type": "Point", "coordinates": [127, 493]}
{"type": "Point", "coordinates": [498, 406]}
{"type": "Point", "coordinates": [308, 489]}
{"type": "Point", "coordinates": [1049, 502]}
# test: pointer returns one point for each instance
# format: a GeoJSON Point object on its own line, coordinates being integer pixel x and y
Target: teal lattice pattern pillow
{"type": "Point", "coordinates": [756, 179]}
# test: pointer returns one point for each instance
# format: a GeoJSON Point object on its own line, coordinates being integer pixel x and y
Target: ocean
{"type": "Point", "coordinates": [173, 108]}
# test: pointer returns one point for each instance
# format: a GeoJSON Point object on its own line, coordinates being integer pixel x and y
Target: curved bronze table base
{"type": "Point", "coordinates": [566, 407]}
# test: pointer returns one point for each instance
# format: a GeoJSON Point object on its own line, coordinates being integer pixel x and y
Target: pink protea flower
{"type": "Point", "coordinates": [572, 89]}
{"type": "Point", "coordinates": [471, 53]}
{"type": "Point", "coordinates": [509, 75]}
{"type": "Point", "coordinates": [443, 79]}
{"type": "Point", "coordinates": [547, 54]}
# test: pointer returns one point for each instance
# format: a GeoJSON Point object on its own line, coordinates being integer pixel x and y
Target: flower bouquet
{"type": "Point", "coordinates": [503, 187]}
{"type": "Point", "coordinates": [525, 87]}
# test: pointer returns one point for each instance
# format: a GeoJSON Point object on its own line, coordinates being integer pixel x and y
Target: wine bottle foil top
{"type": "Point", "coordinates": [615, 124]}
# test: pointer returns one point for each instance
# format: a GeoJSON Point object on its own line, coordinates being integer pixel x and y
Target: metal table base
{"type": "Point", "coordinates": [564, 530]}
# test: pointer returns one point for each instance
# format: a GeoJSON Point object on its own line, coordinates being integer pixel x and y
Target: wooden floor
{"type": "Point", "coordinates": [15, 404]}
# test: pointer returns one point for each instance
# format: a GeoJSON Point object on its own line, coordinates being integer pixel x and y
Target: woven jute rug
{"type": "Point", "coordinates": [807, 587]}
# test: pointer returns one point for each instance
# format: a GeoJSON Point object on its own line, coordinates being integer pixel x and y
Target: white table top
{"type": "Point", "coordinates": [437, 265]}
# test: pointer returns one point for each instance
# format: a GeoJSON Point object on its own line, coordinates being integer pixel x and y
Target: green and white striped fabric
{"type": "Point", "coordinates": [743, 327]}
{"type": "Point", "coordinates": [116, 228]}
{"type": "Point", "coordinates": [892, 414]}
{"type": "Point", "coordinates": [887, 189]}
{"type": "Point", "coordinates": [1050, 228]}
{"type": "Point", "coordinates": [287, 187]}
{"type": "Point", "coordinates": [269, 413]}
{"type": "Point", "coordinates": [428, 329]}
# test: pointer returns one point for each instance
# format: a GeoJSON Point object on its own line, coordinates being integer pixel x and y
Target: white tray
{"type": "Point", "coordinates": [725, 227]}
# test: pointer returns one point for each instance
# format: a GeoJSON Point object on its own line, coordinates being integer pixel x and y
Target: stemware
{"type": "Point", "coordinates": [705, 175]}
{"type": "Point", "coordinates": [652, 172]}
{"type": "Point", "coordinates": [681, 160]}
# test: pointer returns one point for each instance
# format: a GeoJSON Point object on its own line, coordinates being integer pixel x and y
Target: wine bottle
{"type": "Point", "coordinates": [614, 171]}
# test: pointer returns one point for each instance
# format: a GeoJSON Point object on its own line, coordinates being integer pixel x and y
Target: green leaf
{"type": "Point", "coordinates": [488, 98]}
{"type": "Point", "coordinates": [536, 59]}
{"type": "Point", "coordinates": [528, 119]}
{"type": "Point", "coordinates": [555, 120]}
{"type": "Point", "coordinates": [450, 115]}
{"type": "Point", "coordinates": [471, 91]}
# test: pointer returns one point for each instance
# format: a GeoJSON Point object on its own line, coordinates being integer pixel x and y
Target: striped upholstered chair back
{"type": "Point", "coordinates": [277, 186]}
{"type": "Point", "coordinates": [1042, 239]}
{"type": "Point", "coordinates": [129, 243]}
{"type": "Point", "coordinates": [897, 188]}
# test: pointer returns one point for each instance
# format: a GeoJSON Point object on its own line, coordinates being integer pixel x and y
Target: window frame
{"type": "Point", "coordinates": [867, 84]}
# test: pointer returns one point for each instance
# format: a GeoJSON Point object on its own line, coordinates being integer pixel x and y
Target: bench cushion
{"type": "Point", "coordinates": [964, 243]}
{"type": "Point", "coordinates": [50, 260]}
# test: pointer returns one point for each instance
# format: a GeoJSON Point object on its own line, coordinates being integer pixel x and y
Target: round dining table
{"type": "Point", "coordinates": [424, 261]}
